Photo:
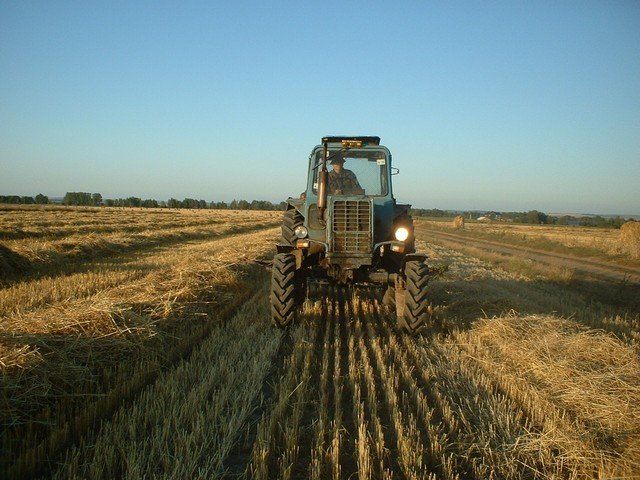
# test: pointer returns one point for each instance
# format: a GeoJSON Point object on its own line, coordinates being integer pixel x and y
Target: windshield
{"type": "Point", "coordinates": [354, 172]}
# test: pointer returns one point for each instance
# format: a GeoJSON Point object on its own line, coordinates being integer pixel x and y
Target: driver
{"type": "Point", "coordinates": [341, 180]}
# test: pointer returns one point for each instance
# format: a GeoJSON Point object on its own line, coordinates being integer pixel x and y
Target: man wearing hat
{"type": "Point", "coordinates": [341, 180]}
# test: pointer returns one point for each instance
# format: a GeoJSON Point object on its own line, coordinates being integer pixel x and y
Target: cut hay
{"type": "Point", "coordinates": [458, 222]}
{"type": "Point", "coordinates": [580, 385]}
{"type": "Point", "coordinates": [630, 238]}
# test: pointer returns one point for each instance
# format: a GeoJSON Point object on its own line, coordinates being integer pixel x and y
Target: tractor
{"type": "Point", "coordinates": [347, 228]}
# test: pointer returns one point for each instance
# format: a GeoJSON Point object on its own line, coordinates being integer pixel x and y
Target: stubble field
{"type": "Point", "coordinates": [138, 343]}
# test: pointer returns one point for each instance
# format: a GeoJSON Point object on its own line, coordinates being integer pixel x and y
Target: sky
{"type": "Point", "coordinates": [485, 105]}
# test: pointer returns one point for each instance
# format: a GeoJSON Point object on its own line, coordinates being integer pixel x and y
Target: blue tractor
{"type": "Point", "coordinates": [347, 228]}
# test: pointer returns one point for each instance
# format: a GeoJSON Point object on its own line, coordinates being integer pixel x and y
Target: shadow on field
{"type": "Point", "coordinates": [41, 370]}
{"type": "Point", "coordinates": [11, 263]}
{"type": "Point", "coordinates": [55, 388]}
{"type": "Point", "coordinates": [458, 303]}
{"type": "Point", "coordinates": [80, 258]}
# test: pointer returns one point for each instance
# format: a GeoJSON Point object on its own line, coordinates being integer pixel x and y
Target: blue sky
{"type": "Point", "coordinates": [484, 105]}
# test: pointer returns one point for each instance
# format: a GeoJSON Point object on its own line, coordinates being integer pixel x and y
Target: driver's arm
{"type": "Point", "coordinates": [330, 184]}
{"type": "Point", "coordinates": [354, 181]}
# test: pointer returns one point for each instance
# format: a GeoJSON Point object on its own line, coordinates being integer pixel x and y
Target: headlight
{"type": "Point", "coordinates": [402, 234]}
{"type": "Point", "coordinates": [301, 231]}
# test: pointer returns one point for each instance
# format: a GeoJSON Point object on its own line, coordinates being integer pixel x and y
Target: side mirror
{"type": "Point", "coordinates": [395, 171]}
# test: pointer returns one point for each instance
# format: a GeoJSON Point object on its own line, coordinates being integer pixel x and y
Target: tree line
{"type": "Point", "coordinates": [39, 199]}
{"type": "Point", "coordinates": [195, 204]}
{"type": "Point", "coordinates": [533, 217]}
{"type": "Point", "coordinates": [96, 200]}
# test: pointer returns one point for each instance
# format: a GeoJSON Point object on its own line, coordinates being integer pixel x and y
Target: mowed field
{"type": "Point", "coordinates": [137, 343]}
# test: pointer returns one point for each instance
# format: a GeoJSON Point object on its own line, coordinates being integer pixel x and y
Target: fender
{"type": "Point", "coordinates": [284, 248]}
{"type": "Point", "coordinates": [421, 257]}
{"type": "Point", "coordinates": [297, 203]}
{"type": "Point", "coordinates": [400, 208]}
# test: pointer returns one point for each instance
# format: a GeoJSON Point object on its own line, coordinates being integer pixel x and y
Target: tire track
{"type": "Point", "coordinates": [403, 406]}
{"type": "Point", "coordinates": [584, 266]}
{"type": "Point", "coordinates": [35, 447]}
{"type": "Point", "coordinates": [346, 394]}
{"type": "Point", "coordinates": [193, 411]}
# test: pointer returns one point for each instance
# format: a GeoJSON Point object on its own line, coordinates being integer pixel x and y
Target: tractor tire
{"type": "Point", "coordinates": [284, 290]}
{"type": "Point", "coordinates": [291, 219]}
{"type": "Point", "coordinates": [416, 307]}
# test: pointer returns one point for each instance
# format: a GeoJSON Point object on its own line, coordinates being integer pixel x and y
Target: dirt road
{"type": "Point", "coordinates": [590, 267]}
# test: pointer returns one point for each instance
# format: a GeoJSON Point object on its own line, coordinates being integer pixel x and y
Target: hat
{"type": "Point", "coordinates": [337, 158]}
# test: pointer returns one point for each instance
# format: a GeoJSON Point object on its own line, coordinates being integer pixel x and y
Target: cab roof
{"type": "Point", "coordinates": [364, 140]}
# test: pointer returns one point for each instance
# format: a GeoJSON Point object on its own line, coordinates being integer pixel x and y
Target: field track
{"type": "Point", "coordinates": [515, 377]}
{"type": "Point", "coordinates": [585, 266]}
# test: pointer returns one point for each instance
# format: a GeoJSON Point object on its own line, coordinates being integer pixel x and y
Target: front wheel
{"type": "Point", "coordinates": [284, 290]}
{"type": "Point", "coordinates": [413, 309]}
{"type": "Point", "coordinates": [290, 220]}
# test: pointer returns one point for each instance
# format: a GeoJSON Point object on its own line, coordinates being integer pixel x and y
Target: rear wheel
{"type": "Point", "coordinates": [291, 219]}
{"type": "Point", "coordinates": [284, 290]}
{"type": "Point", "coordinates": [415, 311]}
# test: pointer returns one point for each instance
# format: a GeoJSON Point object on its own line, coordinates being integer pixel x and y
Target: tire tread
{"type": "Point", "coordinates": [283, 290]}
{"type": "Point", "coordinates": [416, 311]}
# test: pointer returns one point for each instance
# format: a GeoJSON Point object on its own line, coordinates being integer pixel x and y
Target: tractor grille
{"type": "Point", "coordinates": [352, 226]}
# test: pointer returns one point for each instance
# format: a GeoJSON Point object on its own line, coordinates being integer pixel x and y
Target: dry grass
{"type": "Point", "coordinates": [563, 403]}
{"type": "Point", "coordinates": [75, 344]}
{"type": "Point", "coordinates": [50, 241]}
{"type": "Point", "coordinates": [590, 241]}
{"type": "Point", "coordinates": [581, 386]}
{"type": "Point", "coordinates": [163, 364]}
{"type": "Point", "coordinates": [276, 447]}
{"type": "Point", "coordinates": [191, 413]}
{"type": "Point", "coordinates": [475, 288]}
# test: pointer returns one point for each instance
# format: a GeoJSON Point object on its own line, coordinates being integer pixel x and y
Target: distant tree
{"type": "Point", "coordinates": [42, 199]}
{"type": "Point", "coordinates": [218, 205]}
{"type": "Point", "coordinates": [173, 203]}
{"type": "Point", "coordinates": [77, 198]}
{"type": "Point", "coordinates": [27, 200]}
{"type": "Point", "coordinates": [96, 199]}
{"type": "Point", "coordinates": [259, 205]}
{"type": "Point", "coordinates": [189, 203]}
{"type": "Point", "coordinates": [536, 217]}
{"type": "Point", "coordinates": [134, 201]}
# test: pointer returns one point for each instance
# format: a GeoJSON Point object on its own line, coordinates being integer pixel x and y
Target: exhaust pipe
{"type": "Point", "coordinates": [322, 184]}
